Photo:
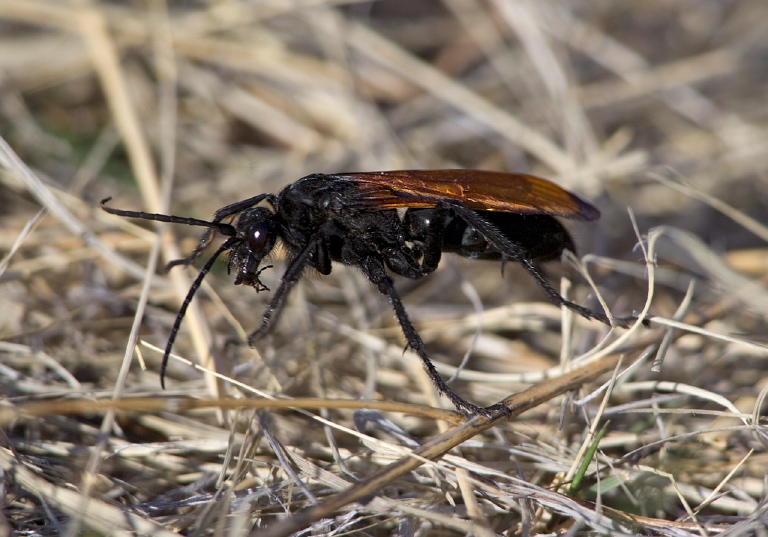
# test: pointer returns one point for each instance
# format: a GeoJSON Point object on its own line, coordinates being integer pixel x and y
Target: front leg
{"type": "Point", "coordinates": [373, 268]}
{"type": "Point", "coordinates": [314, 249]}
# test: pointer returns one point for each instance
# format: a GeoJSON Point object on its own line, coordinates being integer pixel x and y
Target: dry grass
{"type": "Point", "coordinates": [659, 106]}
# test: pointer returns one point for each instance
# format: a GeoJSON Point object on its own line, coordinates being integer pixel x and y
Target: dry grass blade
{"type": "Point", "coordinates": [654, 109]}
{"type": "Point", "coordinates": [439, 446]}
{"type": "Point", "coordinates": [101, 516]}
{"type": "Point", "coordinates": [20, 172]}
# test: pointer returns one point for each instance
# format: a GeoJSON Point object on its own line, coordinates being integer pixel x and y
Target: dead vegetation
{"type": "Point", "coordinates": [329, 428]}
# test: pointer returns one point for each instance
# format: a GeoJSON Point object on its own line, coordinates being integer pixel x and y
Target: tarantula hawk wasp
{"type": "Point", "coordinates": [390, 221]}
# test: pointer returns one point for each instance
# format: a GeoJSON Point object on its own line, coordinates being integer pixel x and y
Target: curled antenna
{"type": "Point", "coordinates": [226, 245]}
{"type": "Point", "coordinates": [214, 226]}
{"type": "Point", "coordinates": [225, 229]}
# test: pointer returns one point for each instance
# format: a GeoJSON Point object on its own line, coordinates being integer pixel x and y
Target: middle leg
{"type": "Point", "coordinates": [373, 267]}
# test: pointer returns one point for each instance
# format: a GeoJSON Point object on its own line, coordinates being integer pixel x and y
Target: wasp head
{"type": "Point", "coordinates": [257, 232]}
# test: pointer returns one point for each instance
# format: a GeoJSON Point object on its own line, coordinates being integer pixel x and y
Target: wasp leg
{"type": "Point", "coordinates": [373, 267]}
{"type": "Point", "coordinates": [512, 251]}
{"type": "Point", "coordinates": [292, 275]}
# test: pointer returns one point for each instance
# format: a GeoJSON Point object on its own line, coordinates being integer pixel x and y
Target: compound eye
{"type": "Point", "coordinates": [258, 236]}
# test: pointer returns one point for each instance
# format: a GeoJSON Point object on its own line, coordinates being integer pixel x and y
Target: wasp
{"type": "Point", "coordinates": [388, 222]}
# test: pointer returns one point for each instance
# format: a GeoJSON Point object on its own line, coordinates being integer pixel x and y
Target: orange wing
{"type": "Point", "coordinates": [475, 189]}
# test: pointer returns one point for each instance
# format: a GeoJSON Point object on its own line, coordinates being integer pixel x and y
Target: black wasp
{"type": "Point", "coordinates": [399, 221]}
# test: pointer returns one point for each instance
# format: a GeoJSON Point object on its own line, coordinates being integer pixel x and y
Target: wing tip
{"type": "Point", "coordinates": [586, 211]}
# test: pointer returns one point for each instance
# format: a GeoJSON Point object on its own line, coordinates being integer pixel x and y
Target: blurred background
{"type": "Point", "coordinates": [654, 110]}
